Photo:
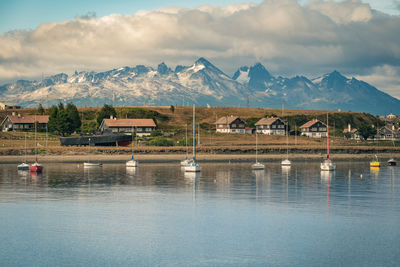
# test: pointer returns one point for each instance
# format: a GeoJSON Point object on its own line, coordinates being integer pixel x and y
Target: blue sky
{"type": "Point", "coordinates": [28, 14]}
{"type": "Point", "coordinates": [358, 38]}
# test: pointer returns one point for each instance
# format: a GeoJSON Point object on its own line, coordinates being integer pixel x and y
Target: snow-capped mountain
{"type": "Point", "coordinates": [201, 83]}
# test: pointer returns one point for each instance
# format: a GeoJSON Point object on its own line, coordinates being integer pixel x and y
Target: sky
{"type": "Point", "coordinates": [289, 37]}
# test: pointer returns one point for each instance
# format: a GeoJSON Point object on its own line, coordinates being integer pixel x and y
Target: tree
{"type": "Point", "coordinates": [73, 114]}
{"type": "Point", "coordinates": [52, 124]}
{"type": "Point", "coordinates": [40, 109]}
{"type": "Point", "coordinates": [105, 112]}
{"type": "Point", "coordinates": [63, 121]}
{"type": "Point", "coordinates": [365, 131]}
{"type": "Point", "coordinates": [172, 108]}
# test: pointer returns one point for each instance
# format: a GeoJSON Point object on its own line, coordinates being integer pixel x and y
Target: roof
{"type": "Point", "coordinates": [227, 119]}
{"type": "Point", "coordinates": [310, 123]}
{"type": "Point", "coordinates": [389, 128]}
{"type": "Point", "coordinates": [351, 130]}
{"type": "Point", "coordinates": [267, 121]}
{"type": "Point", "coordinates": [129, 122]}
{"type": "Point", "coordinates": [29, 118]}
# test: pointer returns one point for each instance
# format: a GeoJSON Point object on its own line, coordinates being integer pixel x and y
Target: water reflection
{"type": "Point", "coordinates": [375, 171]}
{"type": "Point", "coordinates": [131, 171]}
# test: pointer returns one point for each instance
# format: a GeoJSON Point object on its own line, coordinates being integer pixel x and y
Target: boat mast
{"type": "Point", "coordinates": [287, 140]}
{"type": "Point", "coordinates": [327, 135]}
{"type": "Point", "coordinates": [25, 149]}
{"type": "Point", "coordinates": [35, 140]}
{"type": "Point", "coordinates": [256, 147]}
{"type": "Point", "coordinates": [186, 142]}
{"type": "Point", "coordinates": [194, 134]}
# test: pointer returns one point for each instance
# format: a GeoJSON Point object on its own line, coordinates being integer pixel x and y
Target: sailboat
{"type": "Point", "coordinates": [257, 165]}
{"type": "Point", "coordinates": [327, 165]}
{"type": "Point", "coordinates": [286, 162]}
{"type": "Point", "coordinates": [91, 164]}
{"type": "Point", "coordinates": [132, 162]}
{"type": "Point", "coordinates": [193, 166]}
{"type": "Point", "coordinates": [392, 161]}
{"type": "Point", "coordinates": [186, 161]}
{"type": "Point", "coordinates": [36, 167]}
{"type": "Point", "coordinates": [23, 166]}
{"type": "Point", "coordinates": [375, 162]}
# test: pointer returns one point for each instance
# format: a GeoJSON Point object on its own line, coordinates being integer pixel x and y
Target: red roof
{"type": "Point", "coordinates": [129, 122]}
{"type": "Point", "coordinates": [29, 118]}
{"type": "Point", "coordinates": [310, 123]}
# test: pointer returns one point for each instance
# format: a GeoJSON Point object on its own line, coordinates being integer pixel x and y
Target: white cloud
{"type": "Point", "coordinates": [285, 36]}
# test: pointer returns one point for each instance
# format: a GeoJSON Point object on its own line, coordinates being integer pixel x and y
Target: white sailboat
{"type": "Point", "coordinates": [23, 166]}
{"type": "Point", "coordinates": [286, 162]}
{"type": "Point", "coordinates": [91, 164]}
{"type": "Point", "coordinates": [257, 165]}
{"type": "Point", "coordinates": [193, 166]}
{"type": "Point", "coordinates": [186, 161]}
{"type": "Point", "coordinates": [327, 165]}
{"type": "Point", "coordinates": [132, 162]}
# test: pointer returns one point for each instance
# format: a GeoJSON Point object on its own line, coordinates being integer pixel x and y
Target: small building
{"type": "Point", "coordinates": [351, 133]}
{"type": "Point", "coordinates": [314, 128]}
{"type": "Point", "coordinates": [271, 126]}
{"type": "Point", "coordinates": [387, 133]}
{"type": "Point", "coordinates": [4, 106]}
{"type": "Point", "coordinates": [230, 124]}
{"type": "Point", "coordinates": [250, 130]}
{"type": "Point", "coordinates": [139, 126]}
{"type": "Point", "coordinates": [23, 122]}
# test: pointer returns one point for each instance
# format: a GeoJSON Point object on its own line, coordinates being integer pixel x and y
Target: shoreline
{"type": "Point", "coordinates": [168, 158]}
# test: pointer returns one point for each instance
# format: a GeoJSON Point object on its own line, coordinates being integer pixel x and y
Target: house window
{"type": "Point", "coordinates": [273, 126]}
{"type": "Point", "coordinates": [233, 125]}
{"type": "Point", "coordinates": [314, 129]}
{"type": "Point", "coordinates": [221, 125]}
{"type": "Point", "coordinates": [241, 125]}
{"type": "Point", "coordinates": [322, 129]}
{"type": "Point", "coordinates": [148, 129]}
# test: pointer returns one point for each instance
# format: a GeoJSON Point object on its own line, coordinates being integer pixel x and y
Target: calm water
{"type": "Point", "coordinates": [227, 216]}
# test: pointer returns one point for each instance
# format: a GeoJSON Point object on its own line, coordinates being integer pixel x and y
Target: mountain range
{"type": "Point", "coordinates": [202, 84]}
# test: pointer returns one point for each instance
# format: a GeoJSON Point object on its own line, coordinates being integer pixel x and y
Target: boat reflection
{"type": "Point", "coordinates": [192, 175]}
{"type": "Point", "coordinates": [286, 170]}
{"type": "Point", "coordinates": [326, 176]}
{"type": "Point", "coordinates": [259, 174]}
{"type": "Point", "coordinates": [131, 171]}
{"type": "Point", "coordinates": [374, 171]}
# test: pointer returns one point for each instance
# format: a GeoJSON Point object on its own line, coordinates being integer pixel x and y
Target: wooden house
{"type": "Point", "coordinates": [314, 128]}
{"type": "Point", "coordinates": [230, 124]}
{"type": "Point", "coordinates": [23, 122]}
{"type": "Point", "coordinates": [387, 132]}
{"type": "Point", "coordinates": [351, 133]}
{"type": "Point", "coordinates": [139, 126]}
{"type": "Point", "coordinates": [271, 126]}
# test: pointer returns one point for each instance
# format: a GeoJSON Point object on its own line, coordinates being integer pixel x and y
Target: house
{"type": "Point", "coordinates": [230, 124]}
{"type": "Point", "coordinates": [25, 122]}
{"type": "Point", "coordinates": [351, 133]}
{"type": "Point", "coordinates": [139, 126]}
{"type": "Point", "coordinates": [387, 133]}
{"type": "Point", "coordinates": [271, 126]}
{"type": "Point", "coordinates": [4, 106]}
{"type": "Point", "coordinates": [314, 128]}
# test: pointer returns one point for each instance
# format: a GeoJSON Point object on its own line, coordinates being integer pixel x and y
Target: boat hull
{"type": "Point", "coordinates": [97, 140]}
{"type": "Point", "coordinates": [193, 167]}
{"type": "Point", "coordinates": [375, 164]}
{"type": "Point", "coordinates": [90, 164]}
{"type": "Point", "coordinates": [258, 166]}
{"type": "Point", "coordinates": [391, 163]}
{"type": "Point", "coordinates": [23, 167]}
{"type": "Point", "coordinates": [36, 168]}
{"type": "Point", "coordinates": [132, 163]}
{"type": "Point", "coordinates": [328, 167]}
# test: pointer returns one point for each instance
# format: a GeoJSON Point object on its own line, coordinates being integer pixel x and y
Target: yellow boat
{"type": "Point", "coordinates": [375, 163]}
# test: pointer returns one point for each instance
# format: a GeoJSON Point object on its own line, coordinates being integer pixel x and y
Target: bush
{"type": "Point", "coordinates": [156, 133]}
{"type": "Point", "coordinates": [160, 141]}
